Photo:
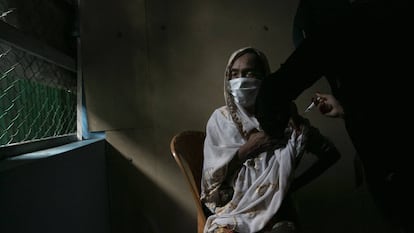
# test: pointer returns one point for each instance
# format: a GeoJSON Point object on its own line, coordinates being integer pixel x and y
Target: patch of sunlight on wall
{"type": "Point", "coordinates": [156, 171]}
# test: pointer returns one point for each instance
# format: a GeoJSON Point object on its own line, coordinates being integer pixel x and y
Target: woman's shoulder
{"type": "Point", "coordinates": [222, 112]}
{"type": "Point", "coordinates": [220, 116]}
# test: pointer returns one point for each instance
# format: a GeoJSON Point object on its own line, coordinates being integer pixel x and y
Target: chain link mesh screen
{"type": "Point", "coordinates": [37, 98]}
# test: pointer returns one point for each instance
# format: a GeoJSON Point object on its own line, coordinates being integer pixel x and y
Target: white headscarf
{"type": "Point", "coordinates": [261, 183]}
{"type": "Point", "coordinates": [228, 97]}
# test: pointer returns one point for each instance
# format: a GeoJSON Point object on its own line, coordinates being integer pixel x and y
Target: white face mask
{"type": "Point", "coordinates": [244, 90]}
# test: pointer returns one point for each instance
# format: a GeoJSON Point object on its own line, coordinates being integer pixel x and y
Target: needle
{"type": "Point", "coordinates": [313, 104]}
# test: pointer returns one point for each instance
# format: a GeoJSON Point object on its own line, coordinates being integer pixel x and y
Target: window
{"type": "Point", "coordinates": [38, 76]}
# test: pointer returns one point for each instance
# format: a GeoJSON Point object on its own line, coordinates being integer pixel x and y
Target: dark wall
{"type": "Point", "coordinates": [155, 68]}
{"type": "Point", "coordinates": [54, 22]}
{"type": "Point", "coordinates": [63, 193]}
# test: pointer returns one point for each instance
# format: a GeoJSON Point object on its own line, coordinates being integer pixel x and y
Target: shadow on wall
{"type": "Point", "coordinates": [355, 213]}
{"type": "Point", "coordinates": [337, 201]}
{"type": "Point", "coordinates": [134, 198]}
{"type": "Point", "coordinates": [34, 19]}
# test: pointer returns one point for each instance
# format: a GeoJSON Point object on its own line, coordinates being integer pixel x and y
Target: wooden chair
{"type": "Point", "coordinates": [187, 150]}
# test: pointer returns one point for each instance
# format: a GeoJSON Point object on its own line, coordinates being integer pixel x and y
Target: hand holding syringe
{"type": "Point", "coordinates": [327, 104]}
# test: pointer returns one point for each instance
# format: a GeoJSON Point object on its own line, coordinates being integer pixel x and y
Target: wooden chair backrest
{"type": "Point", "coordinates": [187, 150]}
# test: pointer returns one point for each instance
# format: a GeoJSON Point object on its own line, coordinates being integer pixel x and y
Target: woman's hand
{"type": "Point", "coordinates": [255, 142]}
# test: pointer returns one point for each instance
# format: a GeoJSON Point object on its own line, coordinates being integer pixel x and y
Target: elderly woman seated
{"type": "Point", "coordinates": [248, 175]}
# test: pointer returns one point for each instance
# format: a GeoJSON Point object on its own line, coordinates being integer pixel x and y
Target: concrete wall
{"type": "Point", "coordinates": [155, 68]}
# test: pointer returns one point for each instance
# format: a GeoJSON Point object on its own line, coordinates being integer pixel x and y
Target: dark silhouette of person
{"type": "Point", "coordinates": [364, 53]}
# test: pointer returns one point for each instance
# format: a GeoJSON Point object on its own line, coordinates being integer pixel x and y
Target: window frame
{"type": "Point", "coordinates": [13, 37]}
